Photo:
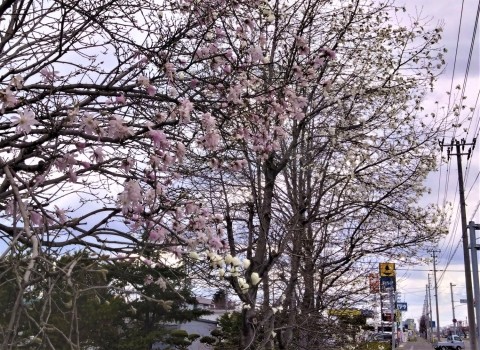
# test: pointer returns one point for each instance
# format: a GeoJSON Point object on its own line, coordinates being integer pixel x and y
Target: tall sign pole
{"type": "Point", "coordinates": [388, 284]}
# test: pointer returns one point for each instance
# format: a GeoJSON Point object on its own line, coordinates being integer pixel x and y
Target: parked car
{"type": "Point", "coordinates": [453, 342]}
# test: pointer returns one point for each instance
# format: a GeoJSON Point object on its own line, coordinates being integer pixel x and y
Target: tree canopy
{"type": "Point", "coordinates": [275, 148]}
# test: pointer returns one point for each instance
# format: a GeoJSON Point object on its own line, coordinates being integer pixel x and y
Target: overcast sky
{"type": "Point", "coordinates": [411, 282]}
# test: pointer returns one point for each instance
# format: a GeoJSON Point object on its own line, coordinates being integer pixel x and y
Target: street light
{"type": "Point", "coordinates": [454, 320]}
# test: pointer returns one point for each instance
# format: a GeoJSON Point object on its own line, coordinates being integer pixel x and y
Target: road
{"type": "Point", "coordinates": [422, 344]}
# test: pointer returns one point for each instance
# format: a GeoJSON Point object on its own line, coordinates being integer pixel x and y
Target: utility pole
{"type": "Point", "coordinates": [430, 303]}
{"type": "Point", "coordinates": [434, 255]}
{"type": "Point", "coordinates": [476, 285]}
{"type": "Point", "coordinates": [459, 147]}
{"type": "Point", "coordinates": [426, 311]}
{"type": "Point", "coordinates": [454, 320]}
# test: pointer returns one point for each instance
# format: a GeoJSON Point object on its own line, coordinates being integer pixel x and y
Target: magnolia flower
{"type": "Point", "coordinates": [89, 124]}
{"type": "Point", "coordinates": [17, 81]}
{"type": "Point", "coordinates": [169, 71]}
{"type": "Point", "coordinates": [194, 256]}
{"type": "Point", "coordinates": [221, 273]}
{"type": "Point", "coordinates": [143, 81]}
{"type": "Point", "coordinates": [36, 218]}
{"type": "Point", "coordinates": [180, 151]}
{"type": "Point", "coordinates": [255, 278]}
{"type": "Point", "coordinates": [235, 261]}
{"type": "Point", "coordinates": [9, 99]}
{"type": "Point", "coordinates": [228, 259]}
{"type": "Point", "coordinates": [157, 235]}
{"type": "Point", "coordinates": [48, 75]}
{"type": "Point", "coordinates": [151, 90]}
{"type": "Point", "coordinates": [120, 99]}
{"type": "Point", "coordinates": [62, 218]}
{"type": "Point", "coordinates": [24, 122]}
{"type": "Point", "coordinates": [98, 155]}
{"type": "Point", "coordinates": [246, 263]}
{"type": "Point", "coordinates": [148, 280]}
{"type": "Point", "coordinates": [159, 139]}
{"type": "Point", "coordinates": [329, 53]}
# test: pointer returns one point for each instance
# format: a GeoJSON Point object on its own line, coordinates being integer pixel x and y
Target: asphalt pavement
{"type": "Point", "coordinates": [420, 344]}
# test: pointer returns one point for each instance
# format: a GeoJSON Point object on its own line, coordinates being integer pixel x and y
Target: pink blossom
{"type": "Point", "coordinates": [118, 129]}
{"type": "Point", "coordinates": [127, 164]}
{"type": "Point", "coordinates": [36, 218]}
{"type": "Point", "coordinates": [24, 122]}
{"type": "Point", "coordinates": [9, 99]}
{"type": "Point", "coordinates": [148, 280]}
{"type": "Point", "coordinates": [17, 81]}
{"type": "Point", "coordinates": [318, 62]}
{"type": "Point", "coordinates": [72, 175]}
{"type": "Point", "coordinates": [234, 94]}
{"type": "Point", "coordinates": [208, 122]}
{"type": "Point", "coordinates": [238, 165]}
{"type": "Point", "coordinates": [89, 124]}
{"type": "Point", "coordinates": [49, 76]}
{"type": "Point", "coordinates": [131, 196]}
{"type": "Point", "coordinates": [157, 235]}
{"type": "Point", "coordinates": [65, 162]}
{"type": "Point", "coordinates": [159, 139]}
{"type": "Point", "coordinates": [329, 53]}
{"type": "Point", "coordinates": [214, 163]}
{"type": "Point", "coordinates": [151, 90]}
{"type": "Point", "coordinates": [143, 81]}
{"type": "Point", "coordinates": [98, 155]}
{"type": "Point", "coordinates": [155, 161]}
{"type": "Point", "coordinates": [256, 54]}
{"type": "Point", "coordinates": [215, 243]}
{"type": "Point", "coordinates": [179, 214]}
{"type": "Point", "coordinates": [62, 218]}
{"type": "Point", "coordinates": [168, 159]}
{"type": "Point", "coordinates": [302, 45]}
{"type": "Point", "coordinates": [39, 180]}
{"type": "Point", "coordinates": [180, 151]}
{"type": "Point", "coordinates": [185, 110]}
{"type": "Point", "coordinates": [190, 208]}
{"type": "Point", "coordinates": [199, 223]}
{"type": "Point", "coordinates": [120, 99]}
{"type": "Point", "coordinates": [177, 251]}
{"type": "Point", "coordinates": [193, 83]}
{"type": "Point", "coordinates": [80, 146]}
{"type": "Point", "coordinates": [227, 68]}
{"type": "Point", "coordinates": [211, 140]}
{"type": "Point", "coordinates": [169, 71]}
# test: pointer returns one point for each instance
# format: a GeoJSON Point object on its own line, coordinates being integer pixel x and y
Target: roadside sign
{"type": "Point", "coordinates": [387, 283]}
{"type": "Point", "coordinates": [374, 283]}
{"type": "Point", "coordinates": [402, 306]}
{"type": "Point", "coordinates": [387, 269]}
{"type": "Point", "coordinates": [344, 312]}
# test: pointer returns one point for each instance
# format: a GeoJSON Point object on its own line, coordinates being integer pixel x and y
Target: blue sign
{"type": "Point", "coordinates": [402, 306]}
{"type": "Point", "coordinates": [387, 283]}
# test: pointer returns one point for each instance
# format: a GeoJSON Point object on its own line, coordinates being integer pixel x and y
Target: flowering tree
{"type": "Point", "coordinates": [321, 163]}
{"type": "Point", "coordinates": [271, 135]}
{"type": "Point", "coordinates": [92, 125]}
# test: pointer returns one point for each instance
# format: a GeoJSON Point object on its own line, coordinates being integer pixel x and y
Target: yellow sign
{"type": "Point", "coordinates": [344, 312]}
{"type": "Point", "coordinates": [398, 315]}
{"type": "Point", "coordinates": [387, 269]}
